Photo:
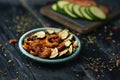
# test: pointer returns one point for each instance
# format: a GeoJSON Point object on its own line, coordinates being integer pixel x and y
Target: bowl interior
{"type": "Point", "coordinates": [56, 60]}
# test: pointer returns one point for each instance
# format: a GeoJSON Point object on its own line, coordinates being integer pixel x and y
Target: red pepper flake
{"type": "Point", "coordinates": [11, 41]}
{"type": "Point", "coordinates": [86, 67]}
{"type": "Point", "coordinates": [108, 38]}
{"type": "Point", "coordinates": [114, 28]}
{"type": "Point", "coordinates": [118, 62]}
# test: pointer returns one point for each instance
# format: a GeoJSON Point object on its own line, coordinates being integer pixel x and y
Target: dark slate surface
{"type": "Point", "coordinates": [100, 50]}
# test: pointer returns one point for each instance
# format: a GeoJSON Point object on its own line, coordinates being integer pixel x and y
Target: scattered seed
{"type": "Point", "coordinates": [5, 54]}
{"type": "Point", "coordinates": [96, 70]}
{"type": "Point", "coordinates": [16, 79]}
{"type": "Point", "coordinates": [113, 41]}
{"type": "Point", "coordinates": [110, 34]}
{"type": "Point", "coordinates": [0, 45]}
{"type": "Point", "coordinates": [9, 61]}
{"type": "Point", "coordinates": [1, 74]}
{"type": "Point", "coordinates": [110, 69]}
{"type": "Point", "coordinates": [113, 54]}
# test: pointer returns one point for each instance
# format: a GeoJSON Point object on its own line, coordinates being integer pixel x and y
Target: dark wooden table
{"type": "Point", "coordinates": [97, 60]}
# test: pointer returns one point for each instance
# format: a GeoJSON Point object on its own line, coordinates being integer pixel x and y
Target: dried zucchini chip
{"type": "Point", "coordinates": [40, 34]}
{"type": "Point", "coordinates": [75, 44]}
{"type": "Point", "coordinates": [70, 49]}
{"type": "Point", "coordinates": [64, 34]}
{"type": "Point", "coordinates": [67, 43]}
{"type": "Point", "coordinates": [57, 30]}
{"type": "Point", "coordinates": [54, 53]}
{"type": "Point", "coordinates": [63, 52]}
{"type": "Point", "coordinates": [50, 31]}
{"type": "Point", "coordinates": [70, 37]}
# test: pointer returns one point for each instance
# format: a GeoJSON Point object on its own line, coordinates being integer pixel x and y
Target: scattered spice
{"type": "Point", "coordinates": [110, 69]}
{"type": "Point", "coordinates": [96, 69]}
{"type": "Point", "coordinates": [99, 66]}
{"type": "Point", "coordinates": [5, 54]}
{"type": "Point", "coordinates": [113, 54]}
{"type": "Point", "coordinates": [108, 38]}
{"type": "Point", "coordinates": [0, 45]}
{"type": "Point", "coordinates": [91, 39]}
{"type": "Point", "coordinates": [27, 64]}
{"type": "Point", "coordinates": [9, 61]}
{"type": "Point", "coordinates": [16, 78]}
{"type": "Point", "coordinates": [77, 75]}
{"type": "Point", "coordinates": [99, 34]}
{"type": "Point", "coordinates": [87, 67]}
{"type": "Point", "coordinates": [17, 72]}
{"type": "Point", "coordinates": [114, 28]}
{"type": "Point", "coordinates": [113, 41]}
{"type": "Point", "coordinates": [111, 33]}
{"type": "Point", "coordinates": [1, 74]}
{"type": "Point", "coordinates": [12, 41]}
{"type": "Point", "coordinates": [118, 62]}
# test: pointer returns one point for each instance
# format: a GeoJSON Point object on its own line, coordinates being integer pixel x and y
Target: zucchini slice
{"type": "Point", "coordinates": [84, 13]}
{"type": "Point", "coordinates": [68, 12]}
{"type": "Point", "coordinates": [76, 10]}
{"type": "Point", "coordinates": [90, 14]}
{"type": "Point", "coordinates": [54, 7]}
{"type": "Point", "coordinates": [60, 5]}
{"type": "Point", "coordinates": [97, 12]}
{"type": "Point", "coordinates": [70, 6]}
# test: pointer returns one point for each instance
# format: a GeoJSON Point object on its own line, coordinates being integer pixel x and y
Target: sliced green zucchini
{"type": "Point", "coordinates": [83, 12]}
{"type": "Point", "coordinates": [97, 12]}
{"type": "Point", "coordinates": [76, 10]}
{"type": "Point", "coordinates": [70, 6]}
{"type": "Point", "coordinates": [68, 12]}
{"type": "Point", "coordinates": [54, 7]}
{"type": "Point", "coordinates": [89, 13]}
{"type": "Point", "coordinates": [60, 5]}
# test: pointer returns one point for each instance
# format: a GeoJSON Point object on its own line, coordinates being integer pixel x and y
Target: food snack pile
{"type": "Point", "coordinates": [50, 43]}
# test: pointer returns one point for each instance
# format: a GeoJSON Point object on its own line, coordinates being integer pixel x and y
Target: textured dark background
{"type": "Point", "coordinates": [97, 59]}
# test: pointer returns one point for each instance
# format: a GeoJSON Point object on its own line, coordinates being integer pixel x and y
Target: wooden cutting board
{"type": "Point", "coordinates": [80, 25]}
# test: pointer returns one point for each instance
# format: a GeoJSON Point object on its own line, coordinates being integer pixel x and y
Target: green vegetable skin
{"type": "Point", "coordinates": [54, 7]}
{"type": "Point", "coordinates": [60, 6]}
{"type": "Point", "coordinates": [86, 15]}
{"type": "Point", "coordinates": [97, 12]}
{"type": "Point", "coordinates": [68, 10]}
{"type": "Point", "coordinates": [77, 11]}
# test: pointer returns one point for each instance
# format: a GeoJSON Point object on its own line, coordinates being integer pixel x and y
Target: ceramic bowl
{"type": "Point", "coordinates": [58, 60]}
